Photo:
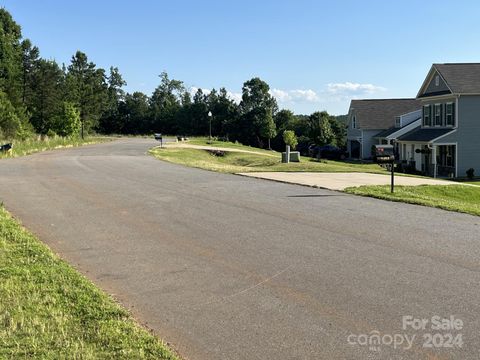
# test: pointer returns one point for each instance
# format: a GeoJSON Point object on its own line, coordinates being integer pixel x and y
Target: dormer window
{"type": "Point", "coordinates": [398, 122]}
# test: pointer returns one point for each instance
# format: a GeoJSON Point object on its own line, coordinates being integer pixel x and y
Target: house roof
{"type": "Point", "coordinates": [392, 130]}
{"type": "Point", "coordinates": [378, 114]}
{"type": "Point", "coordinates": [385, 133]}
{"type": "Point", "coordinates": [424, 135]}
{"type": "Point", "coordinates": [461, 78]}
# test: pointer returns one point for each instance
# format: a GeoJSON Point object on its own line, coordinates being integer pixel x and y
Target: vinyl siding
{"type": "Point", "coordinates": [432, 88]}
{"type": "Point", "coordinates": [368, 141]}
{"type": "Point", "coordinates": [468, 135]}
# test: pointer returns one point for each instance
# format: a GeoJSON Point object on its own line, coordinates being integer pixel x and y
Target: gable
{"type": "Point", "coordinates": [434, 85]}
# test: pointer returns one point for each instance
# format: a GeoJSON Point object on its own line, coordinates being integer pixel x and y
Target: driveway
{"type": "Point", "coordinates": [340, 181]}
{"type": "Point", "coordinates": [231, 267]}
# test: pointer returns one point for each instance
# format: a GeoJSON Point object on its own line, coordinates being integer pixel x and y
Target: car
{"type": "Point", "coordinates": [329, 152]}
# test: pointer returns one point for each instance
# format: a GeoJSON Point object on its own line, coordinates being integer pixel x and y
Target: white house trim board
{"type": "Point", "coordinates": [404, 130]}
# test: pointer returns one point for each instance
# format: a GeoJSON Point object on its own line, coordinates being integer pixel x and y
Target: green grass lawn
{"type": "Point", "coordinates": [33, 145]}
{"type": "Point", "coordinates": [50, 311]}
{"type": "Point", "coordinates": [225, 144]}
{"type": "Point", "coordinates": [236, 162]}
{"type": "Point", "coordinates": [459, 198]}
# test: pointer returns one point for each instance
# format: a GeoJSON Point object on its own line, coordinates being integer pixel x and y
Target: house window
{"type": "Point", "coordinates": [449, 114]}
{"type": "Point", "coordinates": [446, 156]}
{"type": "Point", "coordinates": [437, 80]}
{"type": "Point", "coordinates": [438, 114]}
{"type": "Point", "coordinates": [412, 152]}
{"type": "Point", "coordinates": [397, 122]}
{"type": "Point", "coordinates": [354, 122]}
{"type": "Point", "coordinates": [427, 116]}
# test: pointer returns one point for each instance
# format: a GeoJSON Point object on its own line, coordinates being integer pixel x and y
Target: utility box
{"type": "Point", "coordinates": [294, 156]}
{"type": "Point", "coordinates": [384, 154]}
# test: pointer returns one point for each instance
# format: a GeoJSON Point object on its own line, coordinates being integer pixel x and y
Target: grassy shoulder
{"type": "Point", "coordinates": [458, 198]}
{"type": "Point", "coordinates": [201, 141]}
{"type": "Point", "coordinates": [238, 162]}
{"type": "Point", "coordinates": [33, 145]}
{"type": "Point", "coordinates": [50, 311]}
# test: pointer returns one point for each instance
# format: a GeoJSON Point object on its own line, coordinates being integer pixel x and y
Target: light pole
{"type": "Point", "coordinates": [210, 116]}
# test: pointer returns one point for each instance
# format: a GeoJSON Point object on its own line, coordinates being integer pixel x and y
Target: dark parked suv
{"type": "Point", "coordinates": [327, 152]}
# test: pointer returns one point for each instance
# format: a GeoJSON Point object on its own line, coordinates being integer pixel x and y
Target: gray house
{"type": "Point", "coordinates": [368, 118]}
{"type": "Point", "coordinates": [447, 141]}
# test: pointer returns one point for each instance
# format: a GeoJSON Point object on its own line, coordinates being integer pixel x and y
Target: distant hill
{"type": "Point", "coordinates": [341, 118]}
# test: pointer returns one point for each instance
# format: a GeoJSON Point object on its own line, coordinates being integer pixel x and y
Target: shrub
{"type": "Point", "coordinates": [471, 173]}
{"type": "Point", "coordinates": [289, 138]}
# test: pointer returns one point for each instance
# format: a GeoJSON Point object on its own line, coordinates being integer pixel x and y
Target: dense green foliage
{"type": "Point", "coordinates": [39, 96]}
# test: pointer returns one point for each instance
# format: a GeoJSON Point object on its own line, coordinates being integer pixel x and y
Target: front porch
{"type": "Point", "coordinates": [435, 160]}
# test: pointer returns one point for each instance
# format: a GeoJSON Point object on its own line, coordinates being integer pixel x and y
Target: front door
{"type": "Point", "coordinates": [354, 149]}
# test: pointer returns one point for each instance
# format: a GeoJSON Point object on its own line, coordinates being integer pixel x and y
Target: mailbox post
{"type": "Point", "coordinates": [384, 154]}
{"type": "Point", "coordinates": [159, 137]}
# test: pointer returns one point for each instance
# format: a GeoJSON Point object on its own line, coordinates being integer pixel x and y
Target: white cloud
{"type": "Point", "coordinates": [349, 88]}
{"type": "Point", "coordinates": [297, 95]}
{"type": "Point", "coordinates": [194, 89]}
{"type": "Point", "coordinates": [237, 97]}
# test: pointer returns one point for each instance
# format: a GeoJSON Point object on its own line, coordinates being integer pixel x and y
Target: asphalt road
{"type": "Point", "coordinates": [229, 267]}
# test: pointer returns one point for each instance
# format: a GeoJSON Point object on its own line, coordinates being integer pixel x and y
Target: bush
{"type": "Point", "coordinates": [289, 138]}
{"type": "Point", "coordinates": [68, 123]}
{"type": "Point", "coordinates": [471, 173]}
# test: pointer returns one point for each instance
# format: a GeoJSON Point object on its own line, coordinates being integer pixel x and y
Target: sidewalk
{"type": "Point", "coordinates": [340, 181]}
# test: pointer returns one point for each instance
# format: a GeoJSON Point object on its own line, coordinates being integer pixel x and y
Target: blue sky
{"type": "Point", "coordinates": [315, 55]}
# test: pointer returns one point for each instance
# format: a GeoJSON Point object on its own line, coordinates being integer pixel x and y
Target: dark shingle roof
{"type": "Point", "coordinates": [461, 78]}
{"type": "Point", "coordinates": [424, 135]}
{"type": "Point", "coordinates": [387, 132]}
{"type": "Point", "coordinates": [380, 113]}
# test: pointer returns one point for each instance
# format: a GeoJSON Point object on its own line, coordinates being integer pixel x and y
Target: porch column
{"type": "Point", "coordinates": [434, 160]}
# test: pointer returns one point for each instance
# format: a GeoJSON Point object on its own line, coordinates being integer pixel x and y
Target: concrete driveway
{"type": "Point", "coordinates": [231, 267]}
{"type": "Point", "coordinates": [340, 181]}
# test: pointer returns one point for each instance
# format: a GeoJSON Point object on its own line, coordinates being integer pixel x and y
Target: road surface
{"type": "Point", "coordinates": [230, 267]}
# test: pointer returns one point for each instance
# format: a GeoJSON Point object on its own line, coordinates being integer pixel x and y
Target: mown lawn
{"type": "Point", "coordinates": [236, 162]}
{"type": "Point", "coordinates": [226, 144]}
{"type": "Point", "coordinates": [50, 311]}
{"type": "Point", "coordinates": [33, 145]}
{"type": "Point", "coordinates": [459, 198]}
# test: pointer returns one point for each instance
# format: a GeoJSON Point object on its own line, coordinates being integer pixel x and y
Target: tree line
{"type": "Point", "coordinates": [37, 95]}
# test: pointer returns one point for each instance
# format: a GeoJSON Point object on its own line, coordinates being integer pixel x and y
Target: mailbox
{"type": "Point", "coordinates": [384, 154]}
{"type": "Point", "coordinates": [158, 137]}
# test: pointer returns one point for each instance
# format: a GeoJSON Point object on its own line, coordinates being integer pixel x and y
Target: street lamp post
{"type": "Point", "coordinates": [210, 116]}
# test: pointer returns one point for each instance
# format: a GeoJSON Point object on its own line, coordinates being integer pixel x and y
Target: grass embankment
{"type": "Point", "coordinates": [33, 145]}
{"type": "Point", "coordinates": [238, 162]}
{"type": "Point", "coordinates": [49, 311]}
{"type": "Point", "coordinates": [458, 198]}
{"type": "Point", "coordinates": [229, 145]}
